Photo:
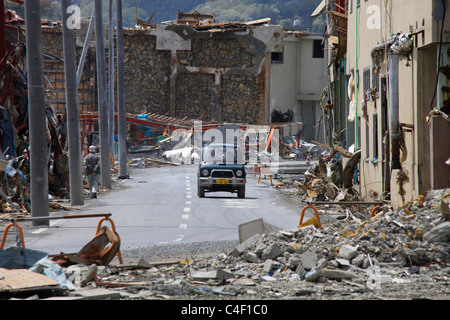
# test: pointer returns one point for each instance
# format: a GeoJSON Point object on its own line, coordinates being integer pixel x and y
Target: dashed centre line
{"type": "Point", "coordinates": [185, 216]}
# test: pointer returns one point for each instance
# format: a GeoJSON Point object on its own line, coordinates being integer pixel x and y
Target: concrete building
{"type": "Point", "coordinates": [389, 86]}
{"type": "Point", "coordinates": [298, 77]}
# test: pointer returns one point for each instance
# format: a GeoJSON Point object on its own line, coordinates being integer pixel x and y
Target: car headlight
{"type": "Point", "coordinates": [205, 172]}
{"type": "Point", "coordinates": [239, 173]}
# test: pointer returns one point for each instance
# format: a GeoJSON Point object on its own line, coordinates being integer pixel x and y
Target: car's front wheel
{"type": "Point", "coordinates": [200, 191]}
{"type": "Point", "coordinates": [241, 192]}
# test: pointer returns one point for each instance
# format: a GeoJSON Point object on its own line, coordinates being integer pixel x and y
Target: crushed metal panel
{"type": "Point", "coordinates": [20, 279]}
{"type": "Point", "coordinates": [98, 251]}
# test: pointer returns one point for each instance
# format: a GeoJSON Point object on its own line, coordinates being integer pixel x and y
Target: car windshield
{"type": "Point", "coordinates": [222, 154]}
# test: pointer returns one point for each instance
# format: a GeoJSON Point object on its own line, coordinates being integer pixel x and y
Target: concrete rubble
{"type": "Point", "coordinates": [396, 254]}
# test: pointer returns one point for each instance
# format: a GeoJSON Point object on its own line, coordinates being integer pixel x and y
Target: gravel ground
{"type": "Point", "coordinates": [178, 252]}
{"type": "Point", "coordinates": [170, 281]}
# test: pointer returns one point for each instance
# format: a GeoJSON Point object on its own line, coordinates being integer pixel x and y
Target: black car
{"type": "Point", "coordinates": [221, 169]}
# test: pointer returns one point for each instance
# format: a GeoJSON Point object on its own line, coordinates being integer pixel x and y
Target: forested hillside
{"type": "Point", "coordinates": [283, 12]}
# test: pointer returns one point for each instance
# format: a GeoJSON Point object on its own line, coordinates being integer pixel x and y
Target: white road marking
{"type": "Point", "coordinates": [187, 209]}
{"type": "Point", "coordinates": [185, 216]}
{"type": "Point", "coordinates": [183, 226]}
{"type": "Point", "coordinates": [239, 203]}
{"type": "Point", "coordinates": [40, 230]}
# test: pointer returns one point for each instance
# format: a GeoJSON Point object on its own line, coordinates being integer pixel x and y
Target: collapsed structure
{"type": "Point", "coordinates": [15, 129]}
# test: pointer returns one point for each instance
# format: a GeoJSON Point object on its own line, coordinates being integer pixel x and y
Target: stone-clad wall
{"type": "Point", "coordinates": [179, 72]}
{"type": "Point", "coordinates": [54, 71]}
{"type": "Point", "coordinates": [216, 53]}
{"type": "Point", "coordinates": [216, 79]}
{"type": "Point", "coordinates": [193, 95]}
{"type": "Point", "coordinates": [241, 99]}
{"type": "Point", "coordinates": [147, 75]}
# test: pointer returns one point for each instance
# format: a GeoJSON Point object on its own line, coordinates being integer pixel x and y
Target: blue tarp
{"type": "Point", "coordinates": [146, 130]}
{"type": "Point", "coordinates": [19, 258]}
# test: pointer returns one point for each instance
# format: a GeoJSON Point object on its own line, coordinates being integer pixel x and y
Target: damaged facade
{"type": "Point", "coordinates": [224, 72]}
{"type": "Point", "coordinates": [383, 97]}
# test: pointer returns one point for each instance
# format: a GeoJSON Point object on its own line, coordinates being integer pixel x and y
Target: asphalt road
{"type": "Point", "coordinates": [160, 206]}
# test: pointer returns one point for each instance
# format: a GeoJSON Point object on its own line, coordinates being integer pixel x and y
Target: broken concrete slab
{"type": "Point", "coordinates": [216, 275]}
{"type": "Point", "coordinates": [308, 260]}
{"type": "Point", "coordinates": [259, 226]}
{"type": "Point", "coordinates": [239, 249]}
{"type": "Point", "coordinates": [268, 266]}
{"type": "Point", "coordinates": [250, 257]}
{"type": "Point", "coordinates": [348, 252]}
{"type": "Point", "coordinates": [440, 233]}
{"type": "Point", "coordinates": [273, 251]}
{"type": "Point", "coordinates": [314, 275]}
{"type": "Point", "coordinates": [96, 294]}
{"type": "Point", "coordinates": [335, 274]}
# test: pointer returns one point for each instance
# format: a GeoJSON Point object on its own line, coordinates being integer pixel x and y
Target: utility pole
{"type": "Point", "coordinates": [102, 97]}
{"type": "Point", "coordinates": [111, 76]}
{"type": "Point", "coordinates": [73, 117]}
{"type": "Point", "coordinates": [122, 129]}
{"type": "Point", "coordinates": [36, 113]}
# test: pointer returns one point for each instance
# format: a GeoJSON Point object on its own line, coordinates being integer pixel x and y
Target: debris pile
{"type": "Point", "coordinates": [398, 254]}
{"type": "Point", "coordinates": [14, 132]}
{"type": "Point", "coordinates": [325, 176]}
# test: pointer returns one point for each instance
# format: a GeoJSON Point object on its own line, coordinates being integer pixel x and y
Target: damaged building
{"type": "Point", "coordinates": [236, 72]}
{"type": "Point", "coordinates": [387, 94]}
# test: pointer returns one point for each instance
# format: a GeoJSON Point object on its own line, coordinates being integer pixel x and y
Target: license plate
{"type": "Point", "coordinates": [222, 181]}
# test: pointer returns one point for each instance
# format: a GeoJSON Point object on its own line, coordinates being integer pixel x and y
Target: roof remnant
{"type": "Point", "coordinates": [195, 18]}
{"type": "Point", "coordinates": [230, 26]}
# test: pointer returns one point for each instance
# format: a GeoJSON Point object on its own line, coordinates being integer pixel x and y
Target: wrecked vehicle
{"type": "Point", "coordinates": [221, 169]}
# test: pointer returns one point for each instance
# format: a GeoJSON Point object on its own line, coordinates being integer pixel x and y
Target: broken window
{"type": "Point", "coordinates": [375, 81]}
{"type": "Point", "coordinates": [366, 83]}
{"type": "Point", "coordinates": [318, 49]}
{"type": "Point", "coordinates": [278, 57]}
{"type": "Point", "coordinates": [367, 138]}
{"type": "Point", "coordinates": [375, 136]}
